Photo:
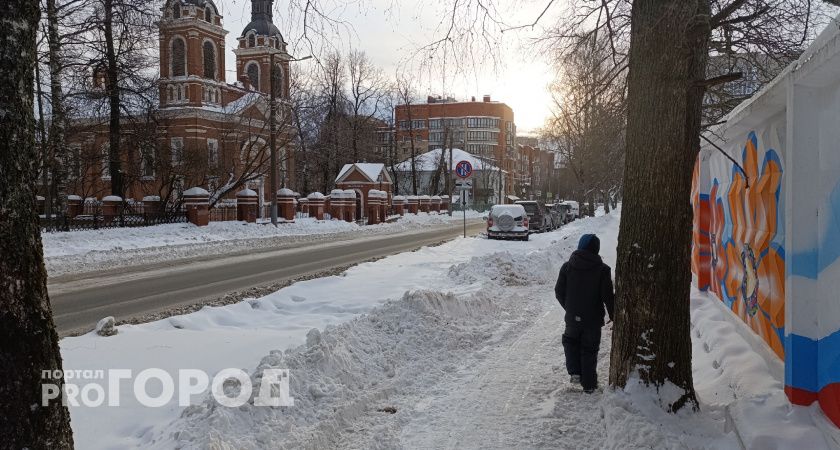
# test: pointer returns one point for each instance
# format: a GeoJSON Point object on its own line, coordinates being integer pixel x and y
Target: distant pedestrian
{"type": "Point", "coordinates": [583, 289]}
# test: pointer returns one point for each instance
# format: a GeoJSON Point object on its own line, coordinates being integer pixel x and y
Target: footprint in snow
{"type": "Point", "coordinates": [297, 298]}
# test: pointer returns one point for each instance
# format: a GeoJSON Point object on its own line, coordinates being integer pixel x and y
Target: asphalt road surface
{"type": "Point", "coordinates": [78, 303]}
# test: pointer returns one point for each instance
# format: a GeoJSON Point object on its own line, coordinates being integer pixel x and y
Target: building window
{"type": "Point", "coordinates": [418, 124]}
{"type": "Point", "coordinates": [212, 153]}
{"type": "Point", "coordinates": [277, 75]}
{"type": "Point", "coordinates": [253, 72]}
{"type": "Point", "coordinates": [435, 124]}
{"type": "Point", "coordinates": [208, 15]}
{"type": "Point", "coordinates": [147, 162]}
{"type": "Point", "coordinates": [176, 11]}
{"type": "Point", "coordinates": [106, 162]}
{"type": "Point", "coordinates": [73, 162]}
{"type": "Point", "coordinates": [252, 40]}
{"type": "Point", "coordinates": [179, 57]}
{"type": "Point", "coordinates": [176, 148]}
{"type": "Point", "coordinates": [209, 60]}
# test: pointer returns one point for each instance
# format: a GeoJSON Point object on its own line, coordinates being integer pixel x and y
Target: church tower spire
{"type": "Point", "coordinates": [260, 43]}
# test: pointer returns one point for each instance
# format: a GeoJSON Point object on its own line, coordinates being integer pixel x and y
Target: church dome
{"type": "Point", "coordinates": [261, 23]}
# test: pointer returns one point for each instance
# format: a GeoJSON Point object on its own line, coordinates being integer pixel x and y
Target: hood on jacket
{"type": "Point", "coordinates": [584, 260]}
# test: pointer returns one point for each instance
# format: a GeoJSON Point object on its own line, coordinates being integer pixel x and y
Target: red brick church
{"type": "Point", "coordinates": [203, 131]}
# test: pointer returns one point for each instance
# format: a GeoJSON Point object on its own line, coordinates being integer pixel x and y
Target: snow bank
{"type": "Point", "coordinates": [742, 402]}
{"type": "Point", "coordinates": [350, 369]}
{"type": "Point", "coordinates": [729, 372]}
{"type": "Point", "coordinates": [88, 250]}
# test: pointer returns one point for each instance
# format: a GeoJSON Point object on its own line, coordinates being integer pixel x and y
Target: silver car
{"type": "Point", "coordinates": [507, 222]}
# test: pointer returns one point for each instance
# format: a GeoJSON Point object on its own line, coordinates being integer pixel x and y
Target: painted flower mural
{"type": "Point", "coordinates": [717, 259]}
{"type": "Point", "coordinates": [753, 275]}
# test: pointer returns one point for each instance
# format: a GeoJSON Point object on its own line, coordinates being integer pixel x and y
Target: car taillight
{"type": "Point", "coordinates": [525, 223]}
{"type": "Point", "coordinates": [489, 222]}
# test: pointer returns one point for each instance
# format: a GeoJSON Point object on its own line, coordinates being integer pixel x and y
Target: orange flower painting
{"type": "Point", "coordinates": [754, 269]}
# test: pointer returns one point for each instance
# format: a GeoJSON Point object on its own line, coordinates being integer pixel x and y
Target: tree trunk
{"type": "Point", "coordinates": [651, 338]}
{"type": "Point", "coordinates": [114, 161]}
{"type": "Point", "coordinates": [58, 151]}
{"type": "Point", "coordinates": [606, 197]}
{"type": "Point", "coordinates": [28, 341]}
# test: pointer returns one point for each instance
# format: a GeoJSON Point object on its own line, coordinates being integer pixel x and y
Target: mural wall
{"type": "Point", "coordinates": [739, 235]}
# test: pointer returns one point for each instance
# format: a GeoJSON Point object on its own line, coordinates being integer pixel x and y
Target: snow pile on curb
{"type": "Point", "coordinates": [349, 370]}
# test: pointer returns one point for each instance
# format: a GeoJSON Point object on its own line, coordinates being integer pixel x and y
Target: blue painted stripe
{"type": "Point", "coordinates": [812, 364]}
{"type": "Point", "coordinates": [800, 359]}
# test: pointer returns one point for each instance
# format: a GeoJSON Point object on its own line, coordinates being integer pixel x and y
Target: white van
{"type": "Point", "coordinates": [574, 208]}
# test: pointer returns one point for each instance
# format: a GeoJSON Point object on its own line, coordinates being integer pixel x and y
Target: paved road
{"type": "Point", "coordinates": [78, 303]}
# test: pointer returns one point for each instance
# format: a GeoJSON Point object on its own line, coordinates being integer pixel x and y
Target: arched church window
{"type": "Point", "coordinates": [252, 40]}
{"type": "Point", "coordinates": [253, 72]}
{"type": "Point", "coordinates": [277, 76]}
{"type": "Point", "coordinates": [179, 57]}
{"type": "Point", "coordinates": [208, 14]}
{"type": "Point", "coordinates": [209, 60]}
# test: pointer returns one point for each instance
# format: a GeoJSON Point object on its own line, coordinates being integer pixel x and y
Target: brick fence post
{"type": "Point", "coordinates": [373, 207]}
{"type": "Point", "coordinates": [316, 205]}
{"type": "Point", "coordinates": [286, 204]}
{"type": "Point", "coordinates": [399, 205]}
{"type": "Point", "coordinates": [413, 203]}
{"type": "Point", "coordinates": [350, 205]}
{"type": "Point", "coordinates": [111, 206]}
{"type": "Point", "coordinates": [435, 204]}
{"type": "Point", "coordinates": [247, 202]}
{"type": "Point", "coordinates": [74, 206]}
{"type": "Point", "coordinates": [425, 202]}
{"type": "Point", "coordinates": [197, 204]}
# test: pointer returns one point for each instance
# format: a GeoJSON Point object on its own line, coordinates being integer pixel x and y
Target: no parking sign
{"type": "Point", "coordinates": [463, 169]}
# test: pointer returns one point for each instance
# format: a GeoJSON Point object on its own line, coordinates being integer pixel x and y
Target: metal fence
{"type": "Point", "coordinates": [130, 215]}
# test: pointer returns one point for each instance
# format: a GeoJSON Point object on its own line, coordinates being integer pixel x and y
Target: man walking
{"type": "Point", "coordinates": [583, 289]}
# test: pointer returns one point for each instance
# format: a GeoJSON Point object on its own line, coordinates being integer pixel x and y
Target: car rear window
{"type": "Point", "coordinates": [530, 208]}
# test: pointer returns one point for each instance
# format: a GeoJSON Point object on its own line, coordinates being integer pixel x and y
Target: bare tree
{"type": "Point", "coordinates": [407, 94]}
{"type": "Point", "coordinates": [366, 84]}
{"type": "Point", "coordinates": [28, 340]}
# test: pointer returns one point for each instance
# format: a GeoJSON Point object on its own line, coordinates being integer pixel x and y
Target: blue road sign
{"type": "Point", "coordinates": [463, 169]}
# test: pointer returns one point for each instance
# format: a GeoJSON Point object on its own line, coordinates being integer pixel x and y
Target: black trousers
{"type": "Point", "coordinates": [581, 344]}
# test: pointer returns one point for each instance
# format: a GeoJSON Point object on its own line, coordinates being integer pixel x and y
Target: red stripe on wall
{"type": "Point", "coordinates": [800, 396]}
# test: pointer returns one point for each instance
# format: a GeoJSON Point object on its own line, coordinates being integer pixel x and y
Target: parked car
{"type": "Point", "coordinates": [564, 212]}
{"type": "Point", "coordinates": [507, 222]}
{"type": "Point", "coordinates": [539, 219]}
{"type": "Point", "coordinates": [574, 209]}
{"type": "Point", "coordinates": [557, 216]}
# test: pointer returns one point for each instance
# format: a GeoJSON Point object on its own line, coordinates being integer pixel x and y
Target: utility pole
{"type": "Point", "coordinates": [273, 141]}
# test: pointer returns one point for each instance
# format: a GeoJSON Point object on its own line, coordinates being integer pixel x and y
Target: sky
{"type": "Point", "coordinates": [391, 32]}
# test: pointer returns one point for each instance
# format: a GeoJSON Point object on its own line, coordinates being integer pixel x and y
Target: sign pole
{"type": "Point", "coordinates": [464, 170]}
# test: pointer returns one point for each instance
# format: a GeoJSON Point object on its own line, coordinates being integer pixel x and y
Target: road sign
{"type": "Point", "coordinates": [463, 184]}
{"type": "Point", "coordinates": [463, 169]}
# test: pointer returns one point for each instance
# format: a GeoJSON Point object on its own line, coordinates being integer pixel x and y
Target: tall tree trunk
{"type": "Point", "coordinates": [114, 163]}
{"type": "Point", "coordinates": [58, 125]}
{"type": "Point", "coordinates": [668, 53]}
{"type": "Point", "coordinates": [28, 341]}
{"type": "Point", "coordinates": [46, 167]}
{"type": "Point", "coordinates": [606, 197]}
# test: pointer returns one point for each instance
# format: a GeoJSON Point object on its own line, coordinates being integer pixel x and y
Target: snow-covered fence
{"type": "Point", "coordinates": [767, 220]}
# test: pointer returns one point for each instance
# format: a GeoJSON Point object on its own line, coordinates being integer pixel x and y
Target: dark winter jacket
{"type": "Point", "coordinates": [584, 288]}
